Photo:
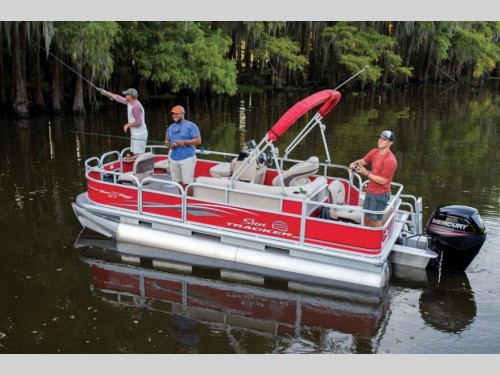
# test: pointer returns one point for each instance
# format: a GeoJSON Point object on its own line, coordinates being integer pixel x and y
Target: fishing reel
{"type": "Point", "coordinates": [356, 168]}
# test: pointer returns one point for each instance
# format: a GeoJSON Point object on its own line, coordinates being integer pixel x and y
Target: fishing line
{"type": "Point", "coordinates": [44, 151]}
{"type": "Point", "coordinates": [114, 136]}
{"type": "Point", "coordinates": [70, 68]}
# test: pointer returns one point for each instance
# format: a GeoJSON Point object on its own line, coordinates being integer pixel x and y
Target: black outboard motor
{"type": "Point", "coordinates": [457, 233]}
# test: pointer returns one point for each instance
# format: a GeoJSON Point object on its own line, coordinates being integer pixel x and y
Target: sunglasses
{"type": "Point", "coordinates": [176, 130]}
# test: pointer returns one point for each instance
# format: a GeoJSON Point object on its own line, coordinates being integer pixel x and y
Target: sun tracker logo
{"type": "Point", "coordinates": [278, 228]}
{"type": "Point", "coordinates": [280, 225]}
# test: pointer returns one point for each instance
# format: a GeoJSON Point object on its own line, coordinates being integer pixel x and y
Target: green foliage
{"type": "Point", "coordinates": [88, 43]}
{"type": "Point", "coordinates": [472, 45]}
{"type": "Point", "coordinates": [360, 47]}
{"type": "Point", "coordinates": [185, 55]}
{"type": "Point", "coordinates": [204, 57]}
{"type": "Point", "coordinates": [442, 44]}
{"type": "Point", "coordinates": [282, 49]}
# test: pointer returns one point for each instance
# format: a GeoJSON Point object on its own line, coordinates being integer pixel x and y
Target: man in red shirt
{"type": "Point", "coordinates": [383, 166]}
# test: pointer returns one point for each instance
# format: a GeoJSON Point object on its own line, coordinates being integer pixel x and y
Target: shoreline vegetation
{"type": "Point", "coordinates": [56, 67]}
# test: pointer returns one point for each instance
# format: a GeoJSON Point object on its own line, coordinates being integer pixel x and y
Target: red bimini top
{"type": "Point", "coordinates": [330, 98]}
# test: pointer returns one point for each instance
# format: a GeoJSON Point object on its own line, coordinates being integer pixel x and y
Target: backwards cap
{"type": "Point", "coordinates": [387, 134]}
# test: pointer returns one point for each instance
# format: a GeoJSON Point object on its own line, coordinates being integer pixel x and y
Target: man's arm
{"type": "Point", "coordinates": [359, 162]}
{"type": "Point", "coordinates": [137, 113]}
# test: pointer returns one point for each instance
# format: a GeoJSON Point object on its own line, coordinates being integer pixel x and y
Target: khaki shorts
{"type": "Point", "coordinates": [183, 170]}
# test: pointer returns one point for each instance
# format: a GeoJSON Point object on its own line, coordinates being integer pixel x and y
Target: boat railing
{"type": "Point", "coordinates": [274, 193]}
{"type": "Point", "coordinates": [329, 170]}
{"type": "Point", "coordinates": [106, 156]}
{"type": "Point", "coordinates": [109, 169]}
{"type": "Point", "coordinates": [102, 169]}
{"type": "Point", "coordinates": [414, 210]}
{"type": "Point", "coordinates": [146, 184]}
{"type": "Point", "coordinates": [88, 163]}
{"type": "Point", "coordinates": [354, 181]}
{"type": "Point", "coordinates": [392, 207]}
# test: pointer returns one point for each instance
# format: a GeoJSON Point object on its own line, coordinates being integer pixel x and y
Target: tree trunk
{"type": "Point", "coordinates": [3, 92]}
{"type": "Point", "coordinates": [428, 62]}
{"type": "Point", "coordinates": [40, 106]}
{"type": "Point", "coordinates": [89, 91]}
{"type": "Point", "coordinates": [143, 93]}
{"type": "Point", "coordinates": [78, 106]}
{"type": "Point", "coordinates": [20, 94]}
{"type": "Point", "coordinates": [248, 55]}
{"type": "Point", "coordinates": [56, 90]}
{"type": "Point", "coordinates": [237, 51]}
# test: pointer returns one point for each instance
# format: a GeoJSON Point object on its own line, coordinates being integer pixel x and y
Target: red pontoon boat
{"type": "Point", "coordinates": [257, 211]}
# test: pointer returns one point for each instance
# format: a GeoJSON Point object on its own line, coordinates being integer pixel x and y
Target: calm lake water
{"type": "Point", "coordinates": [62, 293]}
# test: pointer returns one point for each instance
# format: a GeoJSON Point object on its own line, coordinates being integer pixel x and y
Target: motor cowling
{"type": "Point", "coordinates": [457, 233]}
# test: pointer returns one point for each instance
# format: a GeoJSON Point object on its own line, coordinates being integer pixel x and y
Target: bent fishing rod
{"type": "Point", "coordinates": [70, 68]}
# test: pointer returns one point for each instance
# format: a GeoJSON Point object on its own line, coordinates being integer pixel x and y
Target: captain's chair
{"type": "Point", "coordinates": [254, 172]}
{"type": "Point", "coordinates": [223, 170]}
{"type": "Point", "coordinates": [299, 173]}
{"type": "Point", "coordinates": [336, 195]}
{"type": "Point", "coordinates": [143, 167]}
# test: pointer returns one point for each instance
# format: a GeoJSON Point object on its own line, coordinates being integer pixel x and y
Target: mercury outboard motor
{"type": "Point", "coordinates": [457, 234]}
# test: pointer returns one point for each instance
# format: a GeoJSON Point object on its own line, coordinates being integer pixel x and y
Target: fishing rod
{"type": "Point", "coordinates": [70, 68]}
{"type": "Point", "coordinates": [114, 136]}
{"type": "Point", "coordinates": [355, 75]}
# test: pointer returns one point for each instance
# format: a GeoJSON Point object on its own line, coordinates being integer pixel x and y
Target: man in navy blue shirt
{"type": "Point", "coordinates": [182, 136]}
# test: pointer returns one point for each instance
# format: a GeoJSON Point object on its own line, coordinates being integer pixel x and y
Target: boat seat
{"type": "Point", "coordinates": [264, 197]}
{"type": "Point", "coordinates": [143, 167]}
{"type": "Point", "coordinates": [249, 173]}
{"type": "Point", "coordinates": [223, 170]}
{"type": "Point", "coordinates": [162, 164]}
{"type": "Point", "coordinates": [255, 173]}
{"type": "Point", "coordinates": [336, 195]}
{"type": "Point", "coordinates": [299, 173]}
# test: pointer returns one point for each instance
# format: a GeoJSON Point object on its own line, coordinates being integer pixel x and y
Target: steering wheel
{"type": "Point", "coordinates": [266, 157]}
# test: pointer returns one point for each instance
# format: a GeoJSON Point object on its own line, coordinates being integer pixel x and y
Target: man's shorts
{"type": "Point", "coordinates": [138, 143]}
{"type": "Point", "coordinates": [183, 170]}
{"type": "Point", "coordinates": [376, 202]}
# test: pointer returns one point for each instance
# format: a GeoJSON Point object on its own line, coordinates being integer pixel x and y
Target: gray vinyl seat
{"type": "Point", "coordinates": [163, 164]}
{"type": "Point", "coordinates": [223, 170]}
{"type": "Point", "coordinates": [336, 195]}
{"type": "Point", "coordinates": [254, 173]}
{"type": "Point", "coordinates": [143, 167]}
{"type": "Point", "coordinates": [299, 173]}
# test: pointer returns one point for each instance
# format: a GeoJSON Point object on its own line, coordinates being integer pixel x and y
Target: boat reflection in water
{"type": "Point", "coordinates": [447, 300]}
{"type": "Point", "coordinates": [297, 317]}
{"type": "Point", "coordinates": [300, 317]}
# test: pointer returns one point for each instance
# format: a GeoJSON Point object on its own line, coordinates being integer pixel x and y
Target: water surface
{"type": "Point", "coordinates": [59, 296]}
